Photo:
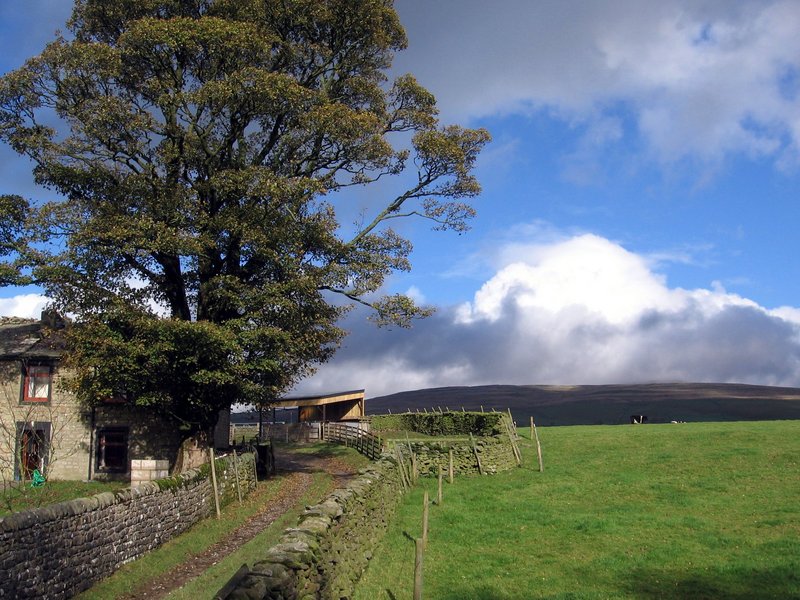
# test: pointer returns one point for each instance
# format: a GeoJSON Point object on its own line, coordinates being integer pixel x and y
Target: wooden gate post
{"type": "Point", "coordinates": [214, 481]}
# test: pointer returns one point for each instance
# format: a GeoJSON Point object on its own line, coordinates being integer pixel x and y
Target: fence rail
{"type": "Point", "coordinates": [282, 432]}
{"type": "Point", "coordinates": [367, 443]}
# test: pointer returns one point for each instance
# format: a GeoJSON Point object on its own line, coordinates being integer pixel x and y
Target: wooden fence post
{"type": "Point", "coordinates": [214, 481]}
{"type": "Point", "coordinates": [418, 558]}
{"type": "Point", "coordinates": [514, 449]}
{"type": "Point", "coordinates": [531, 428]}
{"type": "Point", "coordinates": [236, 473]}
{"type": "Point", "coordinates": [425, 519]}
{"type": "Point", "coordinates": [439, 495]}
{"type": "Point", "coordinates": [513, 424]}
{"type": "Point", "coordinates": [401, 463]}
{"type": "Point", "coordinates": [477, 456]}
{"type": "Point", "coordinates": [450, 472]}
{"type": "Point", "coordinates": [538, 447]}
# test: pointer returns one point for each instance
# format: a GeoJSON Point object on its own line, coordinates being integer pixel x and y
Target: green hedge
{"type": "Point", "coordinates": [449, 423]}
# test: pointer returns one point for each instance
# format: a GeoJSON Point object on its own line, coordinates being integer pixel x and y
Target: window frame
{"type": "Point", "coordinates": [29, 379]}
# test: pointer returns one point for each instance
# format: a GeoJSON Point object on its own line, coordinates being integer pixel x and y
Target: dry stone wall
{"type": "Point", "coordinates": [324, 556]}
{"type": "Point", "coordinates": [495, 453]}
{"type": "Point", "coordinates": [59, 550]}
{"type": "Point", "coordinates": [489, 440]}
{"type": "Point", "coordinates": [332, 544]}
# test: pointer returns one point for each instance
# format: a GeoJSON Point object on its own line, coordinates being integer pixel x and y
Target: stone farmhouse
{"type": "Point", "coordinates": [42, 426]}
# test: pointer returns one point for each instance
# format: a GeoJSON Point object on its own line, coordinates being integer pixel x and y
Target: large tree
{"type": "Point", "coordinates": [201, 149]}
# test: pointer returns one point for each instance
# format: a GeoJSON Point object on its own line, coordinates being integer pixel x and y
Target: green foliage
{"type": "Point", "coordinates": [201, 147]}
{"type": "Point", "coordinates": [696, 510]}
{"type": "Point", "coordinates": [440, 424]}
{"type": "Point", "coordinates": [191, 367]}
{"type": "Point", "coordinates": [14, 232]}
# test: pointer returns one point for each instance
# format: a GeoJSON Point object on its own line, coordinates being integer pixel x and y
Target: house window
{"type": "Point", "coordinates": [112, 450]}
{"type": "Point", "coordinates": [37, 383]}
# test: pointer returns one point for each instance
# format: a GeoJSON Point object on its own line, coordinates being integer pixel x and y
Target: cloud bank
{"type": "Point", "coordinates": [580, 310]}
{"type": "Point", "coordinates": [696, 79]}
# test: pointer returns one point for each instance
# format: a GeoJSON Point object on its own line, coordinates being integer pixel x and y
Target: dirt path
{"type": "Point", "coordinates": [297, 469]}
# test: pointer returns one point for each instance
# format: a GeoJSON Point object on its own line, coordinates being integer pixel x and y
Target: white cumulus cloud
{"type": "Point", "coordinates": [579, 310]}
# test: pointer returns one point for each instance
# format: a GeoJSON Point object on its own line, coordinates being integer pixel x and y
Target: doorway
{"type": "Point", "coordinates": [32, 446]}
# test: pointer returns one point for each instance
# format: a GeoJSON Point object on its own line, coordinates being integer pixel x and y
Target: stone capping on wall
{"type": "Point", "coordinates": [62, 549]}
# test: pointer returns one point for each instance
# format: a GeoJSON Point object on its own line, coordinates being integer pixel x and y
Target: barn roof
{"type": "Point", "coordinates": [319, 400]}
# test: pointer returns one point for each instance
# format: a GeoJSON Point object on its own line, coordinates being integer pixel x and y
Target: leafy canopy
{"type": "Point", "coordinates": [14, 211]}
{"type": "Point", "coordinates": [201, 148]}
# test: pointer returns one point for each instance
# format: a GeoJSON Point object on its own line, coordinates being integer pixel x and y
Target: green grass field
{"type": "Point", "coordinates": [696, 510]}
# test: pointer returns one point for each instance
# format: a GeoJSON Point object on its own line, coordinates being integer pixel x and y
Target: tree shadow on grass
{"type": "Point", "coordinates": [780, 583]}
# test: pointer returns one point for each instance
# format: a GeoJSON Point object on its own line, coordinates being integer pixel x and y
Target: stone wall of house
{"type": "Point", "coordinates": [151, 436]}
{"type": "Point", "coordinates": [73, 429]}
{"type": "Point", "coordinates": [60, 550]}
{"type": "Point", "coordinates": [67, 421]}
{"type": "Point", "coordinates": [328, 550]}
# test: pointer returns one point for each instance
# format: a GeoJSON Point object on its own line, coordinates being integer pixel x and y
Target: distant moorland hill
{"type": "Point", "coordinates": [606, 404]}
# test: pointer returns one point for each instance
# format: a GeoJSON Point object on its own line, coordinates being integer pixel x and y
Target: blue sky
{"type": "Point", "coordinates": [640, 208]}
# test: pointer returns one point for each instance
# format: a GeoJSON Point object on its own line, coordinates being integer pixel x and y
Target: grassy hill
{"type": "Point", "coordinates": [606, 404]}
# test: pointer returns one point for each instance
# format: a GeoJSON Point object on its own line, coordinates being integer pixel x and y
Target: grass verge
{"type": "Point", "coordinates": [705, 510]}
{"type": "Point", "coordinates": [21, 496]}
{"type": "Point", "coordinates": [216, 577]}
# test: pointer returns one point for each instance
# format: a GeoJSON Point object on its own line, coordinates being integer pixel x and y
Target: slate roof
{"type": "Point", "coordinates": [29, 338]}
